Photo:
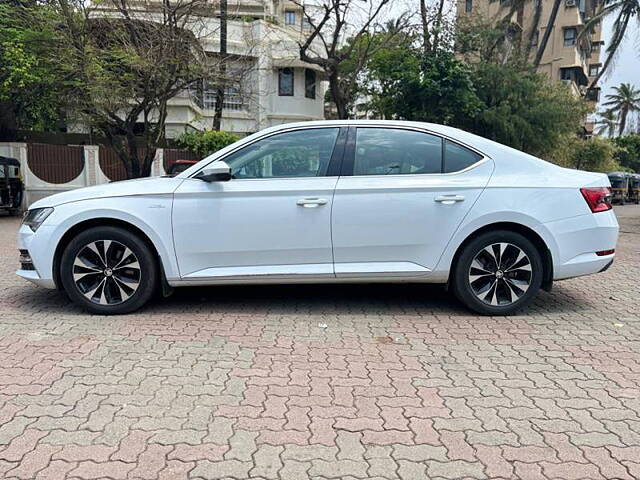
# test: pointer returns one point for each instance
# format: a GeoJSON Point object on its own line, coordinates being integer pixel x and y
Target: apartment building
{"type": "Point", "coordinates": [566, 58]}
{"type": "Point", "coordinates": [266, 82]}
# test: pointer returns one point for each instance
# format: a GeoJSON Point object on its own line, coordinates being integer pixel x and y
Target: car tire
{"type": "Point", "coordinates": [497, 273]}
{"type": "Point", "coordinates": [109, 271]}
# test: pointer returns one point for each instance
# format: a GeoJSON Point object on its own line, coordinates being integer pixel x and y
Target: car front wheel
{"type": "Point", "coordinates": [498, 273]}
{"type": "Point", "coordinates": [108, 270]}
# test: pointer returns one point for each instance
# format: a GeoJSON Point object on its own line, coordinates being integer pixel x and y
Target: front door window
{"type": "Point", "coordinates": [301, 153]}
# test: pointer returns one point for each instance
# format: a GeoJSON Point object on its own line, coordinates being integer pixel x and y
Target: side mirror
{"type": "Point", "coordinates": [217, 172]}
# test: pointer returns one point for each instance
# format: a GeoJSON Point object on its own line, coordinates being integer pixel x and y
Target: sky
{"type": "Point", "coordinates": [627, 66]}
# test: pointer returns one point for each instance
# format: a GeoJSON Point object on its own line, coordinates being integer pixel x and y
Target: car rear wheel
{"type": "Point", "coordinates": [108, 270]}
{"type": "Point", "coordinates": [498, 273]}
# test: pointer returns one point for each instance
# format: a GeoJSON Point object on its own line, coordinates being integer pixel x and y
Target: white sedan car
{"type": "Point", "coordinates": [334, 201]}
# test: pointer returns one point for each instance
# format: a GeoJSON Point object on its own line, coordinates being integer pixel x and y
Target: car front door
{"type": "Point", "coordinates": [271, 220]}
{"type": "Point", "coordinates": [403, 194]}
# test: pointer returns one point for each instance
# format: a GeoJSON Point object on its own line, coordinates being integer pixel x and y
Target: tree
{"type": "Point", "coordinates": [125, 69]}
{"type": "Point", "coordinates": [524, 109]}
{"type": "Point", "coordinates": [29, 78]}
{"type": "Point", "coordinates": [624, 101]}
{"type": "Point", "coordinates": [205, 143]}
{"type": "Point", "coordinates": [217, 118]}
{"type": "Point", "coordinates": [628, 154]}
{"type": "Point", "coordinates": [353, 72]}
{"type": "Point", "coordinates": [329, 22]}
{"type": "Point", "coordinates": [595, 154]}
{"type": "Point", "coordinates": [408, 85]}
{"type": "Point", "coordinates": [607, 122]}
{"type": "Point", "coordinates": [547, 33]}
{"type": "Point", "coordinates": [623, 11]}
{"type": "Point", "coordinates": [436, 29]}
{"type": "Point", "coordinates": [483, 40]}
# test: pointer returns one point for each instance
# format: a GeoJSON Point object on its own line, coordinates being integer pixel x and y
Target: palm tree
{"type": "Point", "coordinates": [608, 122]}
{"type": "Point", "coordinates": [624, 10]}
{"type": "Point", "coordinates": [547, 32]}
{"type": "Point", "coordinates": [625, 101]}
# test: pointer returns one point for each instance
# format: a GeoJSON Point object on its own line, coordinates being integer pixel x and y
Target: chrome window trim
{"type": "Point", "coordinates": [484, 157]}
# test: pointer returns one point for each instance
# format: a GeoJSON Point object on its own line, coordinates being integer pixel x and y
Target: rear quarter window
{"type": "Point", "coordinates": [457, 157]}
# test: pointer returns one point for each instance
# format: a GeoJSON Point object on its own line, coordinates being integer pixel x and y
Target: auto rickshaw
{"type": "Point", "coordinates": [11, 187]}
{"type": "Point", "coordinates": [619, 187]}
{"type": "Point", "coordinates": [634, 188]}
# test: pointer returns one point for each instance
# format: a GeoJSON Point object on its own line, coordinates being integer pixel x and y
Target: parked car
{"type": "Point", "coordinates": [331, 201]}
{"type": "Point", "coordinates": [619, 187]}
{"type": "Point", "coordinates": [180, 166]}
{"type": "Point", "coordinates": [11, 187]}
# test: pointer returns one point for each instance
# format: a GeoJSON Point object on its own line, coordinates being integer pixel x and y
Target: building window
{"type": "Point", "coordinates": [289, 18]}
{"type": "Point", "coordinates": [310, 83]}
{"type": "Point", "coordinates": [468, 6]}
{"type": "Point", "coordinates": [593, 70]}
{"type": "Point", "coordinates": [535, 38]}
{"type": "Point", "coordinates": [570, 36]}
{"type": "Point", "coordinates": [566, 74]}
{"type": "Point", "coordinates": [285, 82]}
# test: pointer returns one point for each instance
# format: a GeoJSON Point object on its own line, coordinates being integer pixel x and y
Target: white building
{"type": "Point", "coordinates": [270, 84]}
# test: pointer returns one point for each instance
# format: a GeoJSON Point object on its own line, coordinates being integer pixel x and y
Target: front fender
{"type": "Point", "coordinates": [155, 210]}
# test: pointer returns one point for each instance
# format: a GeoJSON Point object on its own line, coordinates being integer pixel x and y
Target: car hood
{"type": "Point", "coordinates": [126, 188]}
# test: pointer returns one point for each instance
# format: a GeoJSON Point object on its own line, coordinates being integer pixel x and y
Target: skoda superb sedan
{"type": "Point", "coordinates": [343, 201]}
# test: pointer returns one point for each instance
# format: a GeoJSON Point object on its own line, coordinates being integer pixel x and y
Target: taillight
{"type": "Point", "coordinates": [598, 199]}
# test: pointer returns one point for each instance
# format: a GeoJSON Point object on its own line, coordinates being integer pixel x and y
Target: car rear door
{"type": "Point", "coordinates": [272, 220]}
{"type": "Point", "coordinates": [402, 195]}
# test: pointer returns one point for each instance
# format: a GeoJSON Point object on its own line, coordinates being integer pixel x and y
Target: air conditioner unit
{"type": "Point", "coordinates": [570, 3]}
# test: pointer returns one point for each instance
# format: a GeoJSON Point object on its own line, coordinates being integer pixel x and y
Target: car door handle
{"type": "Point", "coordinates": [311, 202]}
{"type": "Point", "coordinates": [449, 199]}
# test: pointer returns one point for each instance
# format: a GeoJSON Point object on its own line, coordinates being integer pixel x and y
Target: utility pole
{"type": "Point", "coordinates": [222, 70]}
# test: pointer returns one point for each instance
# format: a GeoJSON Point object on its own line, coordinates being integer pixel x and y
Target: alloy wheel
{"type": "Point", "coordinates": [500, 274]}
{"type": "Point", "coordinates": [106, 272]}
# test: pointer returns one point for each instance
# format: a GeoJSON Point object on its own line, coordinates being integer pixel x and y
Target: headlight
{"type": "Point", "coordinates": [34, 218]}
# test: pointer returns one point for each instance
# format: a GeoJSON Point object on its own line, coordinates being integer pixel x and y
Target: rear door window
{"type": "Point", "coordinates": [393, 151]}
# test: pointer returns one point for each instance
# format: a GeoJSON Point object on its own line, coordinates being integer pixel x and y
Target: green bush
{"type": "Point", "coordinates": [595, 154]}
{"type": "Point", "coordinates": [205, 143]}
{"type": "Point", "coordinates": [628, 154]}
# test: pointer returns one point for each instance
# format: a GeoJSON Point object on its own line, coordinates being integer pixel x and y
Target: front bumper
{"type": "Point", "coordinates": [40, 247]}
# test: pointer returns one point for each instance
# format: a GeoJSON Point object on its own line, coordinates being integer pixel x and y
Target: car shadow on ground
{"type": "Point", "coordinates": [325, 299]}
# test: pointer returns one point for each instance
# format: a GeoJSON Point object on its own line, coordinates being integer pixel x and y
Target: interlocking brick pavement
{"type": "Point", "coordinates": [247, 382]}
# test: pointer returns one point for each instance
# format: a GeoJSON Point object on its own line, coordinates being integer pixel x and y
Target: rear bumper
{"type": "Point", "coordinates": [585, 264]}
{"type": "Point", "coordinates": [578, 239]}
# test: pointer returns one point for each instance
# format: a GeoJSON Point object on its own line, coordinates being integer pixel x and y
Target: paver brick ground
{"type": "Point", "coordinates": [338, 381]}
